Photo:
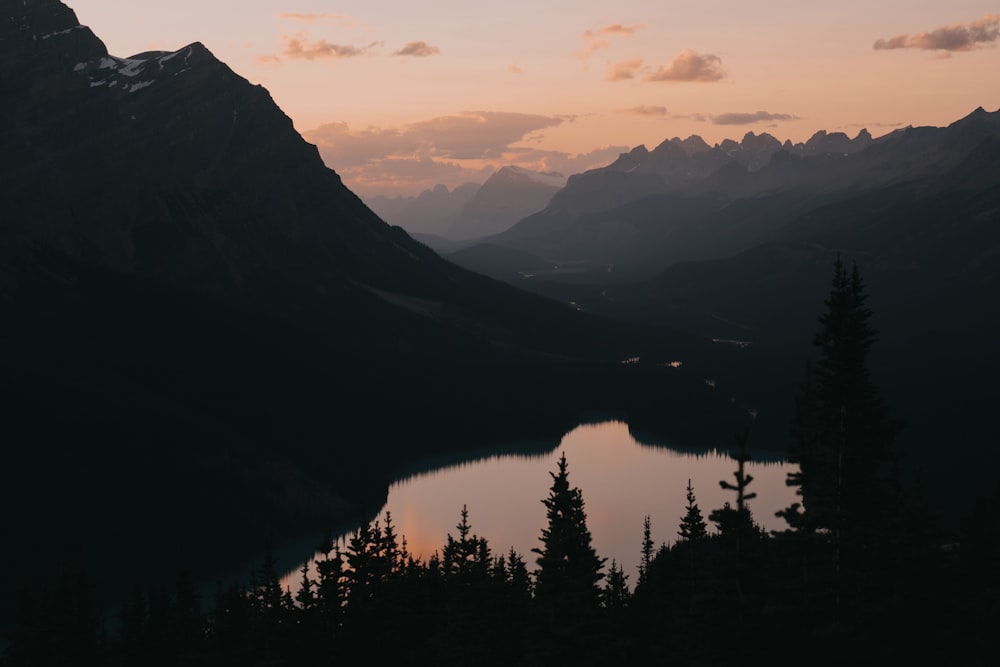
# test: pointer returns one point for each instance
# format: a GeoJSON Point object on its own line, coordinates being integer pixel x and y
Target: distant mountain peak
{"type": "Point", "coordinates": [691, 145]}
{"type": "Point", "coordinates": [760, 142]}
{"type": "Point", "coordinates": [979, 115]}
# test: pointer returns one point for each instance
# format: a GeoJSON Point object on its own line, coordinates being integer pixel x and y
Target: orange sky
{"type": "Point", "coordinates": [402, 95]}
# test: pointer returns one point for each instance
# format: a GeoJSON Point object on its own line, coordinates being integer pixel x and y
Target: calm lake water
{"type": "Point", "coordinates": [622, 481]}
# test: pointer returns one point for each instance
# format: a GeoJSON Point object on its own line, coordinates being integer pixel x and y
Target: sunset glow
{"type": "Point", "coordinates": [401, 96]}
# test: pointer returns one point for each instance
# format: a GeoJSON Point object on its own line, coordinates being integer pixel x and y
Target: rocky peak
{"type": "Point", "coordinates": [631, 160]}
{"type": "Point", "coordinates": [728, 145]}
{"type": "Point", "coordinates": [692, 145]}
{"type": "Point", "coordinates": [41, 38]}
{"type": "Point", "coordinates": [759, 142]}
{"type": "Point", "coordinates": [129, 75]}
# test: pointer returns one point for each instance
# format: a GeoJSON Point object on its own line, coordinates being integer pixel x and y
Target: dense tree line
{"type": "Point", "coordinates": [861, 575]}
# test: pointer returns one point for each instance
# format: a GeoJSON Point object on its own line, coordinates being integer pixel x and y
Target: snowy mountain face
{"type": "Point", "coordinates": [129, 75]}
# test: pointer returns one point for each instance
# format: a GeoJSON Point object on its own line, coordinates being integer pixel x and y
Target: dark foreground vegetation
{"type": "Point", "coordinates": [863, 575]}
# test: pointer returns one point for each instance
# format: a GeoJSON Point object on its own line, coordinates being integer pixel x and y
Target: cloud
{"type": "Point", "coordinates": [515, 69]}
{"type": "Point", "coordinates": [949, 38]}
{"type": "Point", "coordinates": [418, 50]}
{"type": "Point", "coordinates": [615, 29]}
{"type": "Point", "coordinates": [470, 135]}
{"type": "Point", "coordinates": [690, 66]}
{"type": "Point", "coordinates": [624, 71]}
{"type": "Point", "coordinates": [478, 134]}
{"type": "Point", "coordinates": [596, 40]}
{"type": "Point", "coordinates": [449, 149]}
{"type": "Point", "coordinates": [735, 118]}
{"type": "Point", "coordinates": [646, 110]}
{"type": "Point", "coordinates": [299, 48]}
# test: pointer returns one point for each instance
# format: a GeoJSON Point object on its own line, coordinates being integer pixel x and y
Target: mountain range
{"type": "Point", "coordinates": [470, 211]}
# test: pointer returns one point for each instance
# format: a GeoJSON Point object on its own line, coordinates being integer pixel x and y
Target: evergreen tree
{"type": "Point", "coordinates": [737, 522]}
{"type": "Point", "coordinates": [692, 527]}
{"type": "Point", "coordinates": [469, 556]}
{"type": "Point", "coordinates": [569, 569]}
{"type": "Point", "coordinates": [646, 552]}
{"type": "Point", "coordinates": [842, 431]}
{"type": "Point", "coordinates": [518, 579]}
{"type": "Point", "coordinates": [616, 593]}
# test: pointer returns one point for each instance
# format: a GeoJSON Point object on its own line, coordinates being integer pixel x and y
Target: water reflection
{"type": "Point", "coordinates": [622, 481]}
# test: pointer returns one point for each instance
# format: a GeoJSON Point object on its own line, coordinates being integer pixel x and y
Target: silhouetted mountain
{"type": "Point", "coordinates": [207, 335]}
{"type": "Point", "coordinates": [470, 210]}
{"type": "Point", "coordinates": [507, 196]}
{"type": "Point", "coordinates": [433, 211]}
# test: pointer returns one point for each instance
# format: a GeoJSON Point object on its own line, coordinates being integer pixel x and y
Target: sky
{"type": "Point", "coordinates": [401, 95]}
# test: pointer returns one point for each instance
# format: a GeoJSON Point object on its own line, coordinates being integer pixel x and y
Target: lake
{"type": "Point", "coordinates": [621, 480]}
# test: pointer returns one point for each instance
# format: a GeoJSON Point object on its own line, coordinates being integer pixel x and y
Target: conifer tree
{"type": "Point", "coordinates": [842, 431]}
{"type": "Point", "coordinates": [646, 552]}
{"type": "Point", "coordinates": [616, 593]}
{"type": "Point", "coordinates": [569, 569]}
{"type": "Point", "coordinates": [692, 527]}
{"type": "Point", "coordinates": [469, 555]}
{"type": "Point", "coordinates": [737, 522]}
{"type": "Point", "coordinates": [518, 577]}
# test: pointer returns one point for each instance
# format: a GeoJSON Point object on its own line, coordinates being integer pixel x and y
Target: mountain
{"type": "Point", "coordinates": [510, 194]}
{"type": "Point", "coordinates": [433, 211]}
{"type": "Point", "coordinates": [470, 210]}
{"type": "Point", "coordinates": [206, 336]}
{"type": "Point", "coordinates": [643, 211]}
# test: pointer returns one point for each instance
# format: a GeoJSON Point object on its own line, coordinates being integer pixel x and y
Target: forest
{"type": "Point", "coordinates": [863, 574]}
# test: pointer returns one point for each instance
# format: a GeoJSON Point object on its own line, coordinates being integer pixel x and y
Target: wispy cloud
{"type": "Point", "coordinates": [950, 38]}
{"type": "Point", "coordinates": [744, 118]}
{"type": "Point", "coordinates": [300, 47]}
{"type": "Point", "coordinates": [624, 71]}
{"type": "Point", "coordinates": [515, 69]}
{"type": "Point", "coordinates": [418, 50]}
{"type": "Point", "coordinates": [615, 29]}
{"type": "Point", "coordinates": [690, 66]}
{"type": "Point", "coordinates": [597, 40]}
{"type": "Point", "coordinates": [646, 110]}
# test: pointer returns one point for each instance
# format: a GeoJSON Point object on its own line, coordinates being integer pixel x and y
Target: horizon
{"type": "Point", "coordinates": [567, 87]}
